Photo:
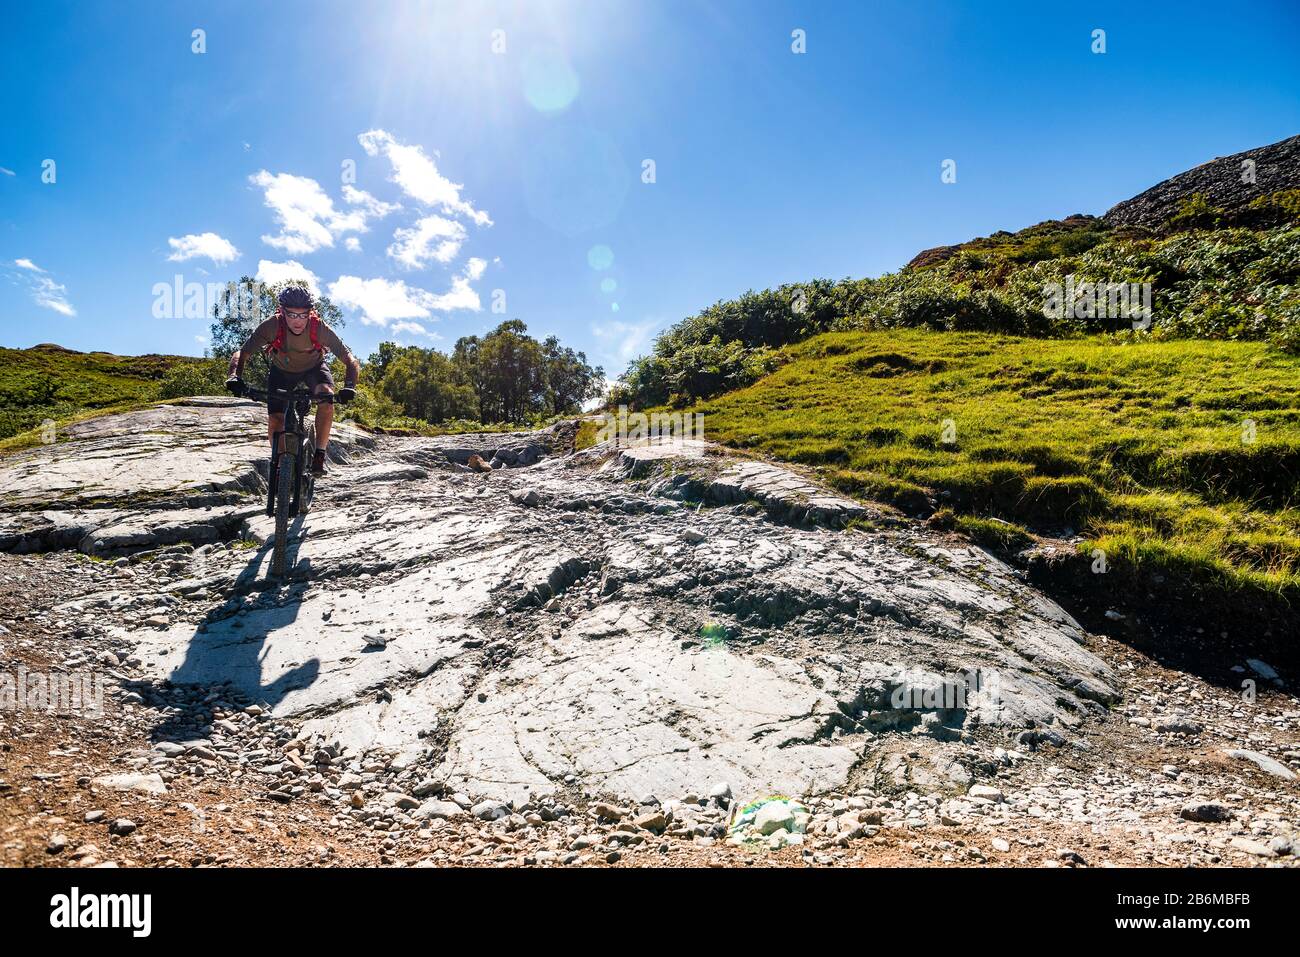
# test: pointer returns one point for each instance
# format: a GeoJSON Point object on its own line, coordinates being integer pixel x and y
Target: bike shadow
{"type": "Point", "coordinates": [231, 650]}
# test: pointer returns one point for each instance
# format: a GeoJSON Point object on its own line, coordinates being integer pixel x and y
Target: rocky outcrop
{"type": "Point", "coordinates": [620, 621]}
{"type": "Point", "coordinates": [179, 472]}
{"type": "Point", "coordinates": [1221, 181]}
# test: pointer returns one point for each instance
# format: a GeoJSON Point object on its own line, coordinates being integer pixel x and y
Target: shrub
{"type": "Point", "coordinates": [204, 377]}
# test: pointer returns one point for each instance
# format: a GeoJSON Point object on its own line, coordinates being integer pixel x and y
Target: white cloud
{"type": "Point", "coordinates": [52, 295]}
{"type": "Point", "coordinates": [374, 208]}
{"type": "Point", "coordinates": [207, 245]}
{"type": "Point", "coordinates": [7, 171]}
{"type": "Point", "coordinates": [621, 342]}
{"type": "Point", "coordinates": [381, 301]}
{"type": "Point", "coordinates": [273, 273]}
{"type": "Point", "coordinates": [462, 295]}
{"type": "Point", "coordinates": [45, 291]}
{"type": "Point", "coordinates": [307, 216]}
{"type": "Point", "coordinates": [418, 177]}
{"type": "Point", "coordinates": [433, 238]}
{"type": "Point", "coordinates": [353, 244]}
{"type": "Point", "coordinates": [398, 328]}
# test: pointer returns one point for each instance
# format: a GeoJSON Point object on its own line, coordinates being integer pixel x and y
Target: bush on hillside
{"type": "Point", "coordinates": [204, 377]}
{"type": "Point", "coordinates": [1226, 283]}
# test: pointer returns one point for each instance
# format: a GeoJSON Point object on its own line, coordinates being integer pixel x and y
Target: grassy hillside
{"type": "Point", "coordinates": [1180, 459]}
{"type": "Point", "coordinates": [1206, 281]}
{"type": "Point", "coordinates": [55, 383]}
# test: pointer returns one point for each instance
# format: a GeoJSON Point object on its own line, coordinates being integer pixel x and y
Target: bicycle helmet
{"type": "Point", "coordinates": [295, 297]}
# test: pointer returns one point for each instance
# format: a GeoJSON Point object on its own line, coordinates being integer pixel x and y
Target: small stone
{"type": "Point", "coordinates": [1251, 847]}
{"type": "Point", "coordinates": [1263, 669]}
{"type": "Point", "coordinates": [1179, 726]}
{"type": "Point", "coordinates": [1206, 812]}
{"type": "Point", "coordinates": [1071, 857]}
{"type": "Point", "coordinates": [56, 845]}
{"type": "Point", "coordinates": [1282, 846]}
{"type": "Point", "coordinates": [93, 817]}
{"type": "Point", "coordinates": [122, 827]}
{"type": "Point", "coordinates": [148, 783]}
{"type": "Point", "coordinates": [1264, 763]}
{"type": "Point", "coordinates": [654, 821]}
{"type": "Point", "coordinates": [610, 812]}
{"type": "Point", "coordinates": [986, 793]}
{"type": "Point", "coordinates": [774, 816]}
{"type": "Point", "coordinates": [1001, 844]}
{"type": "Point", "coordinates": [445, 810]}
{"type": "Point", "coordinates": [490, 810]}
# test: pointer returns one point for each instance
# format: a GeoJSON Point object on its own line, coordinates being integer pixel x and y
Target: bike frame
{"type": "Point", "coordinates": [290, 440]}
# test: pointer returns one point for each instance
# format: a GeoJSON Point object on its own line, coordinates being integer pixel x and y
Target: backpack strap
{"type": "Point", "coordinates": [282, 330]}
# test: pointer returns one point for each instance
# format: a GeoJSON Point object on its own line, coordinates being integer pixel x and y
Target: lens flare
{"type": "Point", "coordinates": [550, 83]}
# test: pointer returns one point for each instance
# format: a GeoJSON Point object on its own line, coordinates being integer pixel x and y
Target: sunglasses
{"type": "Point", "coordinates": [292, 314]}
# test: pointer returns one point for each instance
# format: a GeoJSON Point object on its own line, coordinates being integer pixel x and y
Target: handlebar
{"type": "Point", "coordinates": [261, 395]}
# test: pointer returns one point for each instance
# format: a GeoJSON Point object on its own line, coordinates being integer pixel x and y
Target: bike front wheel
{"type": "Point", "coordinates": [283, 496]}
{"type": "Point", "coordinates": [307, 481]}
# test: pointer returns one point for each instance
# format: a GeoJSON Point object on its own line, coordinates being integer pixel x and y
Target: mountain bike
{"type": "Point", "coordinates": [291, 485]}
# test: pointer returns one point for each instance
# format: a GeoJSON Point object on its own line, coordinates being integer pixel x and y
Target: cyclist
{"type": "Point", "coordinates": [296, 341]}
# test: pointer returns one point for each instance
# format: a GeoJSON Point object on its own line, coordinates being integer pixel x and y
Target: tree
{"type": "Point", "coordinates": [503, 376]}
{"type": "Point", "coordinates": [510, 374]}
{"type": "Point", "coordinates": [568, 380]}
{"type": "Point", "coordinates": [377, 365]}
{"type": "Point", "coordinates": [427, 385]}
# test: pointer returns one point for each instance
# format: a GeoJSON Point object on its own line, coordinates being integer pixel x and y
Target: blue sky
{"type": "Point", "coordinates": [507, 167]}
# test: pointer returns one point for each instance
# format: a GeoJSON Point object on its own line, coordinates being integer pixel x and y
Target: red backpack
{"type": "Point", "coordinates": [282, 330]}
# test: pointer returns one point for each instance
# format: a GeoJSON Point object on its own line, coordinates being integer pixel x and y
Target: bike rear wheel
{"type": "Point", "coordinates": [283, 497]}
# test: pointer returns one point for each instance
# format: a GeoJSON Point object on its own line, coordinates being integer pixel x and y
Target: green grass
{"type": "Point", "coordinates": [52, 383]}
{"type": "Point", "coordinates": [1135, 445]}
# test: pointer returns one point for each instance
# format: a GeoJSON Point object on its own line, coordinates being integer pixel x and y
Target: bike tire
{"type": "Point", "coordinates": [283, 496]}
{"type": "Point", "coordinates": [307, 483]}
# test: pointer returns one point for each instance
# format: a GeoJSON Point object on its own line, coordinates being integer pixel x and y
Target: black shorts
{"type": "Point", "coordinates": [279, 379]}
